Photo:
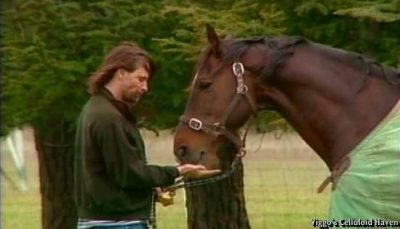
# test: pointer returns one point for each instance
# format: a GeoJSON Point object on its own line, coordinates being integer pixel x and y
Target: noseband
{"type": "Point", "coordinates": [219, 128]}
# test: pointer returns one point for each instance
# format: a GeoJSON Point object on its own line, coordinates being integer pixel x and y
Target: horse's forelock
{"type": "Point", "coordinates": [233, 50]}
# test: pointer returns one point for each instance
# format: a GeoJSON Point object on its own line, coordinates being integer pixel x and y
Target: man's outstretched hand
{"type": "Point", "coordinates": [196, 171]}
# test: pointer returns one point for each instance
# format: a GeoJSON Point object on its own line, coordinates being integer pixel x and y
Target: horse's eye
{"type": "Point", "coordinates": [204, 85]}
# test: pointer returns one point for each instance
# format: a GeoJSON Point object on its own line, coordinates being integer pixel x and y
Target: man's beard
{"type": "Point", "coordinates": [131, 97]}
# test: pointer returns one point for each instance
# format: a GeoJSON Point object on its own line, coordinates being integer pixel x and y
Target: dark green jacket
{"type": "Point", "coordinates": [112, 178]}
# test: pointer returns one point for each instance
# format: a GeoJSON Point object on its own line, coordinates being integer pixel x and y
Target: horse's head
{"type": "Point", "coordinates": [222, 98]}
{"type": "Point", "coordinates": [318, 89]}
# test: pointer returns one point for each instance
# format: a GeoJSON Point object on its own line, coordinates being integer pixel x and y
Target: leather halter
{"type": "Point", "coordinates": [219, 128]}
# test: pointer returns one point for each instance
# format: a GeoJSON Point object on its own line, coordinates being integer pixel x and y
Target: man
{"type": "Point", "coordinates": [113, 182]}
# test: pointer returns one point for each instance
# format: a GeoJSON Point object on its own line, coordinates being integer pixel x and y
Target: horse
{"type": "Point", "coordinates": [344, 105]}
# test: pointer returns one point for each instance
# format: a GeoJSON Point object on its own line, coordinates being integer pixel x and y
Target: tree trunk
{"type": "Point", "coordinates": [219, 205]}
{"type": "Point", "coordinates": [55, 150]}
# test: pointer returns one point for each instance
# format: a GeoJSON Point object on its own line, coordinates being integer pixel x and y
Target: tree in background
{"type": "Point", "coordinates": [219, 204]}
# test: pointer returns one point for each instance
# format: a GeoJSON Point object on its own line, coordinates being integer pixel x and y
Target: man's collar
{"type": "Point", "coordinates": [125, 108]}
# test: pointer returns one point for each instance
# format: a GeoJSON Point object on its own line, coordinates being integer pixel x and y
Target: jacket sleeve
{"type": "Point", "coordinates": [123, 161]}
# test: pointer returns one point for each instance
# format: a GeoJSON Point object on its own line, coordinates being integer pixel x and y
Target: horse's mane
{"type": "Point", "coordinates": [281, 49]}
{"type": "Point", "coordinates": [362, 62]}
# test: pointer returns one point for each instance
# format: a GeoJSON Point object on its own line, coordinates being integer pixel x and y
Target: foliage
{"type": "Point", "coordinates": [232, 19]}
{"type": "Point", "coordinates": [50, 47]}
{"type": "Point", "coordinates": [382, 11]}
{"type": "Point", "coordinates": [367, 27]}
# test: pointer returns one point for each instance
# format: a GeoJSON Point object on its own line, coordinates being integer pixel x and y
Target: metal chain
{"type": "Point", "coordinates": [152, 222]}
{"type": "Point", "coordinates": [153, 218]}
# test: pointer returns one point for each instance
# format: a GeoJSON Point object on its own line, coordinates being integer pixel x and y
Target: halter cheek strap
{"type": "Point", "coordinates": [241, 90]}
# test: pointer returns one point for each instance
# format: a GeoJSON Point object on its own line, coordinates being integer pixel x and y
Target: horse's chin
{"type": "Point", "coordinates": [215, 164]}
{"type": "Point", "coordinates": [208, 165]}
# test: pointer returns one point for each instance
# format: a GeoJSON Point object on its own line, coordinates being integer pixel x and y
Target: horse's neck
{"type": "Point", "coordinates": [321, 99]}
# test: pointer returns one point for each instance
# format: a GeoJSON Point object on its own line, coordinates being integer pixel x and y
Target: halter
{"type": "Point", "coordinates": [219, 128]}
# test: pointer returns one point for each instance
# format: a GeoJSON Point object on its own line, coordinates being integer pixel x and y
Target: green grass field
{"type": "Point", "coordinates": [281, 179]}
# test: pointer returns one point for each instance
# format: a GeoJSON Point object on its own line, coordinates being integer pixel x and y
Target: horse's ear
{"type": "Point", "coordinates": [213, 40]}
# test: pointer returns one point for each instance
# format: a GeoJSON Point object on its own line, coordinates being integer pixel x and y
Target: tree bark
{"type": "Point", "coordinates": [55, 150]}
{"type": "Point", "coordinates": [219, 205]}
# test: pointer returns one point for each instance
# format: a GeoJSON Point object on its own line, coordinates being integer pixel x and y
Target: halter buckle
{"type": "Point", "coordinates": [218, 127]}
{"type": "Point", "coordinates": [195, 124]}
{"type": "Point", "coordinates": [238, 69]}
{"type": "Point", "coordinates": [242, 89]}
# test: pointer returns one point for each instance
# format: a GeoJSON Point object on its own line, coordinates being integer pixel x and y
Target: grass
{"type": "Point", "coordinates": [280, 185]}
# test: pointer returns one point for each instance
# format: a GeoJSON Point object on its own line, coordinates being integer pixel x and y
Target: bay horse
{"type": "Point", "coordinates": [344, 105]}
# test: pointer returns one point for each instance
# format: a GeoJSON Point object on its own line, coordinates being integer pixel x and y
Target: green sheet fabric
{"type": "Point", "coordinates": [370, 188]}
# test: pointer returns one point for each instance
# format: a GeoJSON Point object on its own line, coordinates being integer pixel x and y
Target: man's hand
{"type": "Point", "coordinates": [196, 171]}
{"type": "Point", "coordinates": [166, 198]}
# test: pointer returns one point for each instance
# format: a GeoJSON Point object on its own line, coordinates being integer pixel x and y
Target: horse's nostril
{"type": "Point", "coordinates": [182, 152]}
{"type": "Point", "coordinates": [201, 155]}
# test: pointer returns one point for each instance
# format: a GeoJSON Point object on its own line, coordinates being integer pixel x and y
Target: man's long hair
{"type": "Point", "coordinates": [127, 56]}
